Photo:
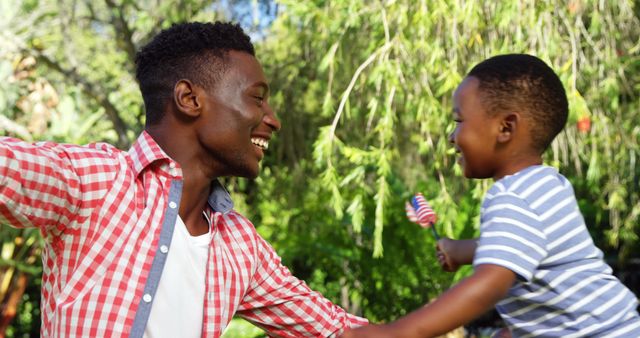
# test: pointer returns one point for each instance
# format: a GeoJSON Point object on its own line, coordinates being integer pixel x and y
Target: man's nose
{"type": "Point", "coordinates": [271, 119]}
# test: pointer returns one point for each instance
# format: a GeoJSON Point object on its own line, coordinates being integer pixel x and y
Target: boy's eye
{"type": "Point", "coordinates": [259, 99]}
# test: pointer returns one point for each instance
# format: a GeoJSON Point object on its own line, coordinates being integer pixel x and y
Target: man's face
{"type": "Point", "coordinates": [237, 121]}
{"type": "Point", "coordinates": [475, 134]}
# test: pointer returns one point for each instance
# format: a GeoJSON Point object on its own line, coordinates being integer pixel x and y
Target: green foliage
{"type": "Point", "coordinates": [241, 329]}
{"type": "Point", "coordinates": [27, 321]}
{"type": "Point", "coordinates": [332, 257]}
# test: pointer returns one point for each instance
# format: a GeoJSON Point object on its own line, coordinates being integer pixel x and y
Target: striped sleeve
{"type": "Point", "coordinates": [511, 235]}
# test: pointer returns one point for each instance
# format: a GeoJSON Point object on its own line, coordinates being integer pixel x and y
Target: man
{"type": "Point", "coordinates": [146, 242]}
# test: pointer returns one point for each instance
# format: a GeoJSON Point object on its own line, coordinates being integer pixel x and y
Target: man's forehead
{"type": "Point", "coordinates": [234, 67]}
{"type": "Point", "coordinates": [242, 59]}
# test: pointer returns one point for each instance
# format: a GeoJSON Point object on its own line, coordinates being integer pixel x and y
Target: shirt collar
{"type": "Point", "coordinates": [146, 151]}
{"type": "Point", "coordinates": [219, 199]}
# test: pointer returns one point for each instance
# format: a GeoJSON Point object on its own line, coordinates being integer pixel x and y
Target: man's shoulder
{"type": "Point", "coordinates": [54, 150]}
{"type": "Point", "coordinates": [97, 148]}
{"type": "Point", "coordinates": [239, 233]}
{"type": "Point", "coordinates": [98, 156]}
{"type": "Point", "coordinates": [239, 224]}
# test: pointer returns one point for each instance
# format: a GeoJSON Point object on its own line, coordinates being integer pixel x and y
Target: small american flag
{"type": "Point", "coordinates": [420, 212]}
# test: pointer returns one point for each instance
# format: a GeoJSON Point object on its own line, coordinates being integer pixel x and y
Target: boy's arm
{"type": "Point", "coordinates": [465, 301]}
{"type": "Point", "coordinates": [454, 253]}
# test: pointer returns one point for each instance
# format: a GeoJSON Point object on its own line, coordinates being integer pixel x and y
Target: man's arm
{"type": "Point", "coordinates": [38, 187]}
{"type": "Point", "coordinates": [285, 306]}
{"type": "Point", "coordinates": [465, 301]}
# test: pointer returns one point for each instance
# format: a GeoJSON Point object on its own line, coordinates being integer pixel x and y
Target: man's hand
{"type": "Point", "coordinates": [370, 331]}
{"type": "Point", "coordinates": [502, 333]}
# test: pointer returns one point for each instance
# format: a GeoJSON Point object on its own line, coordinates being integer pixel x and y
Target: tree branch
{"type": "Point", "coordinates": [90, 90]}
{"type": "Point", "coordinates": [123, 31]}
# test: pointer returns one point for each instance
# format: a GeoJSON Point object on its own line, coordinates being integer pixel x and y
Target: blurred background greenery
{"type": "Point", "coordinates": [363, 89]}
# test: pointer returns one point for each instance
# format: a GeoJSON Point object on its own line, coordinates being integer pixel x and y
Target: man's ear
{"type": "Point", "coordinates": [508, 127]}
{"type": "Point", "coordinates": [188, 98]}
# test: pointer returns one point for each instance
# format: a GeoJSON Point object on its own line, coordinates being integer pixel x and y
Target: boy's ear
{"type": "Point", "coordinates": [187, 98]}
{"type": "Point", "coordinates": [508, 126]}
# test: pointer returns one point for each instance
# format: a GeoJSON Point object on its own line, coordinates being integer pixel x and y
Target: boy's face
{"type": "Point", "coordinates": [475, 134]}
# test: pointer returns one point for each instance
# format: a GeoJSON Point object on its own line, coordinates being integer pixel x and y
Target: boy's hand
{"type": "Point", "coordinates": [444, 249]}
{"type": "Point", "coordinates": [452, 254]}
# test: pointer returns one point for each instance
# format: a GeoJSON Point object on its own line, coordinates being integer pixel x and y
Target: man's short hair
{"type": "Point", "coordinates": [524, 83]}
{"type": "Point", "coordinates": [194, 51]}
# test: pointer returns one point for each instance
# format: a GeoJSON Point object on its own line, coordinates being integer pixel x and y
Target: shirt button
{"type": "Point", "coordinates": [172, 205]}
{"type": "Point", "coordinates": [172, 165]}
{"type": "Point", "coordinates": [146, 298]}
{"type": "Point", "coordinates": [164, 249]}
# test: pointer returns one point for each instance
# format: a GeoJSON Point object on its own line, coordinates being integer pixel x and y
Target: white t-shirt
{"type": "Point", "coordinates": [177, 308]}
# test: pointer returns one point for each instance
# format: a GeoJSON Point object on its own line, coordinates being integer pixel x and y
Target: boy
{"type": "Point", "coordinates": [534, 260]}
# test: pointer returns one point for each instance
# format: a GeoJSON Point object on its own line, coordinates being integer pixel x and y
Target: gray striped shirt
{"type": "Point", "coordinates": [531, 225]}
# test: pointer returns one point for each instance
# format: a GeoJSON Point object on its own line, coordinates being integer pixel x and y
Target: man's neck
{"type": "Point", "coordinates": [178, 144]}
{"type": "Point", "coordinates": [194, 201]}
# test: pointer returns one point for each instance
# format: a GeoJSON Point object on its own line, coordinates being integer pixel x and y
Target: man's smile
{"type": "Point", "coordinates": [260, 142]}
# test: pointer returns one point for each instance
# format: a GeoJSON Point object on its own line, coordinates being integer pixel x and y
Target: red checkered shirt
{"type": "Point", "coordinates": [107, 217]}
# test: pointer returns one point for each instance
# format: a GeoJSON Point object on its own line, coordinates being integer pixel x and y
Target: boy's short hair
{"type": "Point", "coordinates": [524, 83]}
{"type": "Point", "coordinates": [194, 51]}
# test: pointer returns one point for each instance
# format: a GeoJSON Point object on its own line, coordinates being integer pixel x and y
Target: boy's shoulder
{"type": "Point", "coordinates": [527, 180]}
{"type": "Point", "coordinates": [535, 188]}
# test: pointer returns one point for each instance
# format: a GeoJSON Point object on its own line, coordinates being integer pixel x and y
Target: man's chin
{"type": "Point", "coordinates": [252, 176]}
{"type": "Point", "coordinates": [250, 173]}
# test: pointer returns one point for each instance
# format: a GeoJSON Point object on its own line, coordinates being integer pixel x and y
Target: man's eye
{"type": "Point", "coordinates": [260, 99]}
